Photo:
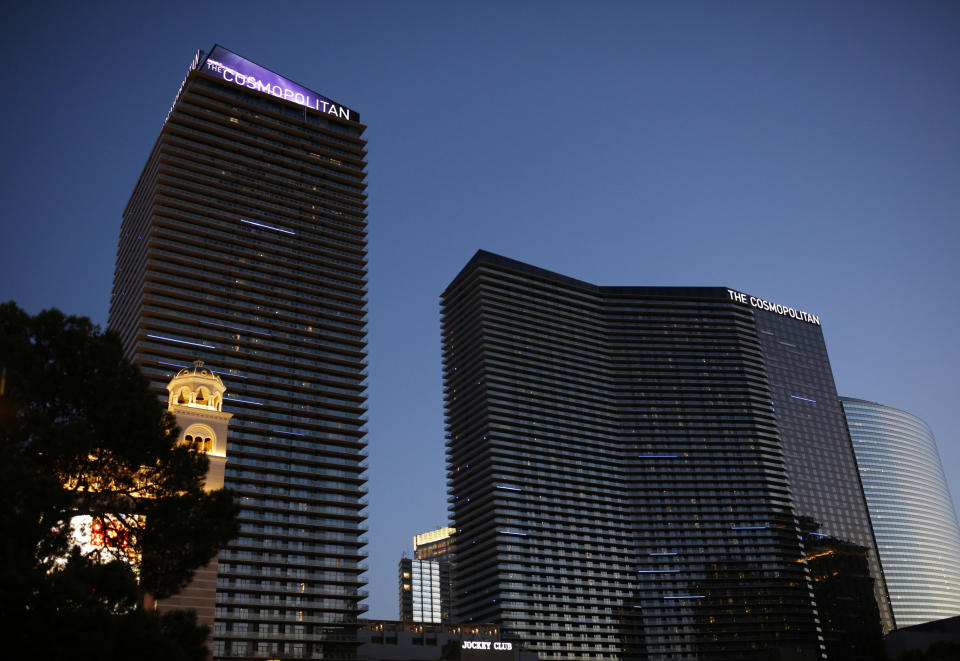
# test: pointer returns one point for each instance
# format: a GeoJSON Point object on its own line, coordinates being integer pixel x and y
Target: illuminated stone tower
{"type": "Point", "coordinates": [244, 245]}
{"type": "Point", "coordinates": [196, 399]}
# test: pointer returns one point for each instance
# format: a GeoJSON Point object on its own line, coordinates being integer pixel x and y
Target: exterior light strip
{"type": "Point", "coordinates": [230, 374]}
{"type": "Point", "coordinates": [236, 376]}
{"type": "Point", "coordinates": [244, 401]}
{"type": "Point", "coordinates": [501, 486]}
{"type": "Point", "coordinates": [688, 596]}
{"type": "Point", "coordinates": [293, 433]}
{"type": "Point", "coordinates": [658, 571]}
{"type": "Point", "coordinates": [269, 227]}
{"type": "Point", "coordinates": [170, 339]}
{"type": "Point", "coordinates": [160, 362]}
{"type": "Point", "coordinates": [245, 330]}
{"type": "Point", "coordinates": [748, 527]}
{"type": "Point", "coordinates": [805, 399]}
{"type": "Point", "coordinates": [664, 553]}
{"type": "Point", "coordinates": [507, 532]}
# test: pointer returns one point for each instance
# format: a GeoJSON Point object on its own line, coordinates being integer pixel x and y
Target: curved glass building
{"type": "Point", "coordinates": [910, 507]}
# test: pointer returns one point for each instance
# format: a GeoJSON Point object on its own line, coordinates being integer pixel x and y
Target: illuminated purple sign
{"type": "Point", "coordinates": [234, 69]}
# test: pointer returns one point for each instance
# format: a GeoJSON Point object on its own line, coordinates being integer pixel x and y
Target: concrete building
{"type": "Point", "coordinates": [388, 640]}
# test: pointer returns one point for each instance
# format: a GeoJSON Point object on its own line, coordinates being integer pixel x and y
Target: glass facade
{"type": "Point", "coordinates": [619, 480]}
{"type": "Point", "coordinates": [822, 469]}
{"type": "Point", "coordinates": [435, 544]}
{"type": "Point", "coordinates": [244, 245]}
{"type": "Point", "coordinates": [913, 516]}
{"type": "Point", "coordinates": [421, 590]}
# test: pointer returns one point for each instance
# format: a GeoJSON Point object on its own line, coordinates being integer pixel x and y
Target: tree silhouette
{"type": "Point", "coordinates": [82, 435]}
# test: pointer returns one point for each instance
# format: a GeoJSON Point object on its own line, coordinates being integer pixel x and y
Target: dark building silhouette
{"type": "Point", "coordinates": [628, 466]}
{"type": "Point", "coordinates": [843, 588]}
{"type": "Point", "coordinates": [244, 244]}
{"type": "Point", "coordinates": [939, 639]}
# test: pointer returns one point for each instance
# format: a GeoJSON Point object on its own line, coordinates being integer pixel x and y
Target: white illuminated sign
{"type": "Point", "coordinates": [761, 304]}
{"type": "Point", "coordinates": [486, 645]}
{"type": "Point", "coordinates": [239, 71]}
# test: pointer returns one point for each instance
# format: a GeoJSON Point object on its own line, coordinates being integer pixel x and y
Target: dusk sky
{"type": "Point", "coordinates": [807, 153]}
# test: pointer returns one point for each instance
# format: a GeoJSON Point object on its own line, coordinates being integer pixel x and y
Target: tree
{"type": "Point", "coordinates": [82, 435]}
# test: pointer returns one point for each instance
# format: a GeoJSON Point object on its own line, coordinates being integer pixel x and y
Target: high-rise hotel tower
{"type": "Point", "coordinates": [657, 473]}
{"type": "Point", "coordinates": [244, 245]}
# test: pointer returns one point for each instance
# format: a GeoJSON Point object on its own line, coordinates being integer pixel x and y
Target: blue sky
{"type": "Point", "coordinates": [807, 153]}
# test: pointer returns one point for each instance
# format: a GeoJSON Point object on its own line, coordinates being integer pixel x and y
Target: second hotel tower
{"type": "Point", "coordinates": [651, 473]}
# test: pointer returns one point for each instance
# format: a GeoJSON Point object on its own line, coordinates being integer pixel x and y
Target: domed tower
{"type": "Point", "coordinates": [196, 399]}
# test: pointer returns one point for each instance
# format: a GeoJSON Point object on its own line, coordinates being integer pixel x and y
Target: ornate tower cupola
{"type": "Point", "coordinates": [196, 399]}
